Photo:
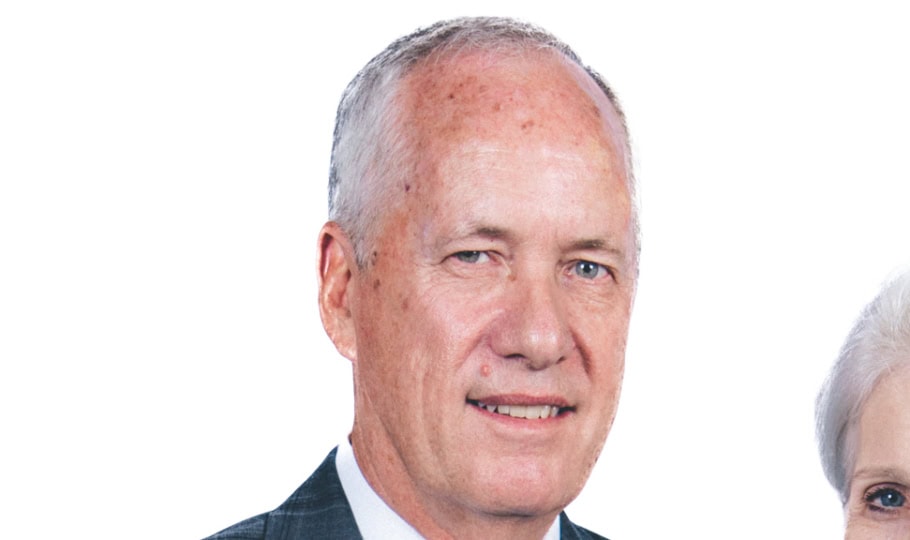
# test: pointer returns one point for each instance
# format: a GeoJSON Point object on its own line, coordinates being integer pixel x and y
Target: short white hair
{"type": "Point", "coordinates": [369, 143]}
{"type": "Point", "coordinates": [878, 344]}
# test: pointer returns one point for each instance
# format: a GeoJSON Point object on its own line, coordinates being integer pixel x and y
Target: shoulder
{"type": "Point", "coordinates": [249, 529]}
{"type": "Point", "coordinates": [571, 531]}
{"type": "Point", "coordinates": [318, 508]}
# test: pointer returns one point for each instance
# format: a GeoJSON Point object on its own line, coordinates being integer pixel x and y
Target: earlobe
{"type": "Point", "coordinates": [335, 265]}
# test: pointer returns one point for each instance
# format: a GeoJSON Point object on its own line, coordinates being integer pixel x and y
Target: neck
{"type": "Point", "coordinates": [433, 516]}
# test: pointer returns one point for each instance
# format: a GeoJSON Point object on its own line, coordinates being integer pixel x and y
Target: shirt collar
{"type": "Point", "coordinates": [374, 517]}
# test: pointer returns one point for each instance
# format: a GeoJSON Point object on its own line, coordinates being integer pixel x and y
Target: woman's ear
{"type": "Point", "coordinates": [336, 264]}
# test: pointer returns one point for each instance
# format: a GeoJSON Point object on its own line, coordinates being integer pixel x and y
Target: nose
{"type": "Point", "coordinates": [533, 325]}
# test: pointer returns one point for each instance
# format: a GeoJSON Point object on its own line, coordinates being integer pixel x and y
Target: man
{"type": "Point", "coordinates": [478, 271]}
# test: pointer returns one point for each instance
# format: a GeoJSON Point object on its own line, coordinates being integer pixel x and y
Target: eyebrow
{"type": "Point", "coordinates": [481, 231]}
{"type": "Point", "coordinates": [589, 243]}
{"type": "Point", "coordinates": [583, 244]}
{"type": "Point", "coordinates": [495, 233]}
{"type": "Point", "coordinates": [893, 473]}
{"type": "Point", "coordinates": [595, 244]}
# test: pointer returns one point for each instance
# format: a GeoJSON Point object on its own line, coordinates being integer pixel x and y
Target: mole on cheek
{"type": "Point", "coordinates": [485, 370]}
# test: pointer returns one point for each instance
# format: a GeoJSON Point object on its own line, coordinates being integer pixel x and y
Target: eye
{"type": "Point", "coordinates": [590, 270]}
{"type": "Point", "coordinates": [472, 257]}
{"type": "Point", "coordinates": [885, 499]}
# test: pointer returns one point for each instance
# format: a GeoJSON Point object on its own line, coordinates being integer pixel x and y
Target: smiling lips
{"type": "Point", "coordinates": [530, 412]}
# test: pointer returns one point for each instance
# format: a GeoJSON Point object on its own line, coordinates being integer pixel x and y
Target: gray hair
{"type": "Point", "coordinates": [369, 145]}
{"type": "Point", "coordinates": [878, 344]}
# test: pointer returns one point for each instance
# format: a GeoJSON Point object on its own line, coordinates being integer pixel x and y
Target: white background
{"type": "Point", "coordinates": [162, 180]}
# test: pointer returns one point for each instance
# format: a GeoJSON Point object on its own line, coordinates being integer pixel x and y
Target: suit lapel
{"type": "Point", "coordinates": [318, 509]}
{"type": "Point", "coordinates": [571, 531]}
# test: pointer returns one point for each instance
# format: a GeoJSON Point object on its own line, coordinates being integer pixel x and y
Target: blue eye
{"type": "Point", "coordinates": [885, 498]}
{"type": "Point", "coordinates": [472, 257]}
{"type": "Point", "coordinates": [589, 270]}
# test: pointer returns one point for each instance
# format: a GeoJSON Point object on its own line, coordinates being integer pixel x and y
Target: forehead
{"type": "Point", "coordinates": [524, 141]}
{"type": "Point", "coordinates": [514, 94]}
{"type": "Point", "coordinates": [885, 423]}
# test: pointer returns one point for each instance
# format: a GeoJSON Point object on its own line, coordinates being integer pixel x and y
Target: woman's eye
{"type": "Point", "coordinates": [590, 270]}
{"type": "Point", "coordinates": [472, 257]}
{"type": "Point", "coordinates": [885, 498]}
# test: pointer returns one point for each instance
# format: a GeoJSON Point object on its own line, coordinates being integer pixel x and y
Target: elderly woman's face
{"type": "Point", "coordinates": [879, 501]}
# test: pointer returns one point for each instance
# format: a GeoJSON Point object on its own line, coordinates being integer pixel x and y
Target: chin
{"type": "Point", "coordinates": [523, 506]}
{"type": "Point", "coordinates": [526, 495]}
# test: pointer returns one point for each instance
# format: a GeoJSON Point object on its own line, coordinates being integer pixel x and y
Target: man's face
{"type": "Point", "coordinates": [499, 286]}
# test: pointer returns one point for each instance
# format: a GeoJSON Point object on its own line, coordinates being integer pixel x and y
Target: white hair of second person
{"type": "Point", "coordinates": [370, 147]}
{"type": "Point", "coordinates": [878, 344]}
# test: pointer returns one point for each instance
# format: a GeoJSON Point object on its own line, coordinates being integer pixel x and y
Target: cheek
{"type": "Point", "coordinates": [382, 334]}
{"type": "Point", "coordinates": [452, 316]}
{"type": "Point", "coordinates": [864, 525]}
{"type": "Point", "coordinates": [412, 336]}
{"type": "Point", "coordinates": [862, 529]}
{"type": "Point", "coordinates": [603, 346]}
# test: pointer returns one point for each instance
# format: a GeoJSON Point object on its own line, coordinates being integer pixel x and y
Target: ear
{"type": "Point", "coordinates": [336, 262]}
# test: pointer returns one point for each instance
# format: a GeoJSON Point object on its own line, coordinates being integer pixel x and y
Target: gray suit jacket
{"type": "Point", "coordinates": [319, 509]}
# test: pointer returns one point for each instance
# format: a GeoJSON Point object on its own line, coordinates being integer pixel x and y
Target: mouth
{"type": "Point", "coordinates": [525, 411]}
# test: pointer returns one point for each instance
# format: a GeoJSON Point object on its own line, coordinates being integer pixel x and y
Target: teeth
{"type": "Point", "coordinates": [531, 412]}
